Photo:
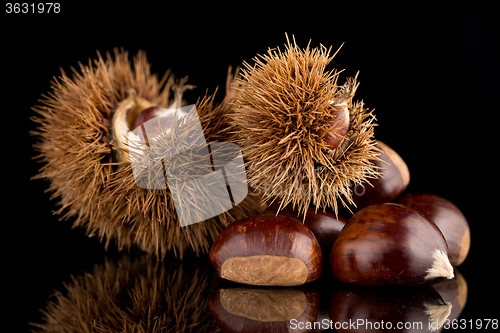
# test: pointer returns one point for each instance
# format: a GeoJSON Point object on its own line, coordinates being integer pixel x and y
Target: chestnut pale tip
{"type": "Point", "coordinates": [265, 270]}
{"type": "Point", "coordinates": [441, 266]}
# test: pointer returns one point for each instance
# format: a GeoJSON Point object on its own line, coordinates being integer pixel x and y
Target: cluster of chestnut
{"type": "Point", "coordinates": [391, 239]}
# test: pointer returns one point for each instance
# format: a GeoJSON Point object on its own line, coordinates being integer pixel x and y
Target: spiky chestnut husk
{"type": "Point", "coordinates": [83, 163]}
{"type": "Point", "coordinates": [134, 295]}
{"type": "Point", "coordinates": [282, 112]}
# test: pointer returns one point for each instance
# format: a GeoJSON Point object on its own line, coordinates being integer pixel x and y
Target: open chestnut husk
{"type": "Point", "coordinates": [267, 250]}
{"type": "Point", "coordinates": [324, 225]}
{"type": "Point", "coordinates": [389, 244]}
{"type": "Point", "coordinates": [447, 217]}
{"type": "Point", "coordinates": [252, 309]}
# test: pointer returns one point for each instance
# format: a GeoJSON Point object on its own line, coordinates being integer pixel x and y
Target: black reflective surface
{"type": "Point", "coordinates": [134, 292]}
{"type": "Point", "coordinates": [431, 77]}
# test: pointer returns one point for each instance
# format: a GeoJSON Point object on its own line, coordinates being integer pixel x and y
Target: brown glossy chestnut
{"type": "Point", "coordinates": [388, 309]}
{"type": "Point", "coordinates": [447, 217]}
{"type": "Point", "coordinates": [393, 181]}
{"type": "Point", "coordinates": [255, 309]}
{"type": "Point", "coordinates": [339, 125]}
{"type": "Point", "coordinates": [324, 225]}
{"type": "Point", "coordinates": [267, 250]}
{"type": "Point", "coordinates": [388, 244]}
{"type": "Point", "coordinates": [165, 118]}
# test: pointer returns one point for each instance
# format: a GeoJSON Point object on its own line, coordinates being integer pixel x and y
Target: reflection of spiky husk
{"type": "Point", "coordinates": [139, 295]}
{"type": "Point", "coordinates": [77, 147]}
{"type": "Point", "coordinates": [281, 114]}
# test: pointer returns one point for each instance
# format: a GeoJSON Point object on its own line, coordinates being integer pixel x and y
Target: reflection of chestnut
{"type": "Point", "coordinates": [447, 217]}
{"type": "Point", "coordinates": [394, 179]}
{"type": "Point", "coordinates": [325, 226]}
{"type": "Point", "coordinates": [453, 292]}
{"type": "Point", "coordinates": [388, 309]}
{"type": "Point", "coordinates": [267, 250]}
{"type": "Point", "coordinates": [263, 309]}
{"type": "Point", "coordinates": [387, 244]}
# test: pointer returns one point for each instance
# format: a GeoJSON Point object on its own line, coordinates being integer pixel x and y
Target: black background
{"type": "Point", "coordinates": [430, 74]}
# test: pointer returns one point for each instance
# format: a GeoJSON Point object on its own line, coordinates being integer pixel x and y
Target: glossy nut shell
{"type": "Point", "coordinates": [324, 225]}
{"type": "Point", "coordinates": [267, 250]}
{"type": "Point", "coordinates": [393, 181]}
{"type": "Point", "coordinates": [339, 125]}
{"type": "Point", "coordinates": [447, 217]}
{"type": "Point", "coordinates": [387, 244]}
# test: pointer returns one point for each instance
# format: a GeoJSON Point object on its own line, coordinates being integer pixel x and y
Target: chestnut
{"type": "Point", "coordinates": [338, 126]}
{"type": "Point", "coordinates": [387, 244]}
{"type": "Point", "coordinates": [255, 309]}
{"type": "Point", "coordinates": [164, 119]}
{"type": "Point", "coordinates": [267, 250]}
{"type": "Point", "coordinates": [447, 217]}
{"type": "Point", "coordinates": [324, 225]}
{"type": "Point", "coordinates": [136, 119]}
{"type": "Point", "coordinates": [392, 182]}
